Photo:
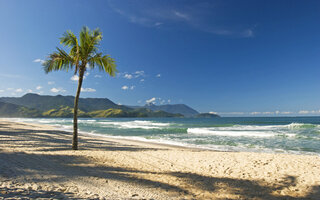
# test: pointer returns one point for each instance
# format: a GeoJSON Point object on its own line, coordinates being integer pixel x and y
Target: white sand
{"type": "Point", "coordinates": [36, 162]}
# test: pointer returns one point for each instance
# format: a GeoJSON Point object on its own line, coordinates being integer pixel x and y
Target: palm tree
{"type": "Point", "coordinates": [82, 56]}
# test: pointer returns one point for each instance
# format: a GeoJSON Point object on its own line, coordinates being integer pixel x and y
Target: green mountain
{"type": "Point", "coordinates": [45, 102]}
{"type": "Point", "coordinates": [207, 115]}
{"type": "Point", "coordinates": [34, 105]}
{"type": "Point", "coordinates": [134, 113]}
{"type": "Point", "coordinates": [12, 110]}
{"type": "Point", "coordinates": [62, 111]}
{"type": "Point", "coordinates": [171, 108]}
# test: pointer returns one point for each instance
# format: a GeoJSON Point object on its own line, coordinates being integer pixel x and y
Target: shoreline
{"type": "Point", "coordinates": [167, 143]}
{"type": "Point", "coordinates": [39, 156]}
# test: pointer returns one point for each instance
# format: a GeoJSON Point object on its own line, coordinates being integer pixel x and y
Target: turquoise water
{"type": "Point", "coordinates": [299, 135]}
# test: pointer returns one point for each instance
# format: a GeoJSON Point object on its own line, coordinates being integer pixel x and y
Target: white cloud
{"type": "Point", "coordinates": [267, 113]}
{"type": "Point", "coordinates": [50, 82]}
{"type": "Point", "coordinates": [304, 112]}
{"type": "Point", "coordinates": [158, 75]}
{"type": "Point", "coordinates": [74, 78]}
{"type": "Point", "coordinates": [180, 15]}
{"type": "Point", "coordinates": [212, 112]}
{"type": "Point", "coordinates": [169, 100]}
{"type": "Point", "coordinates": [39, 61]}
{"type": "Point", "coordinates": [19, 90]}
{"type": "Point", "coordinates": [56, 90]}
{"type": "Point", "coordinates": [194, 14]}
{"type": "Point", "coordinates": [136, 74]}
{"type": "Point", "coordinates": [139, 73]}
{"type": "Point", "coordinates": [158, 23]}
{"type": "Point", "coordinates": [39, 87]}
{"type": "Point", "coordinates": [88, 90]}
{"type": "Point", "coordinates": [232, 113]}
{"type": "Point", "coordinates": [29, 91]}
{"type": "Point", "coordinates": [10, 89]}
{"type": "Point", "coordinates": [139, 101]}
{"type": "Point", "coordinates": [152, 100]}
{"type": "Point", "coordinates": [142, 80]}
{"type": "Point", "coordinates": [255, 113]}
{"type": "Point", "coordinates": [286, 112]}
{"type": "Point", "coordinates": [128, 76]}
{"type": "Point", "coordinates": [120, 104]}
{"type": "Point", "coordinates": [1, 90]}
{"type": "Point", "coordinates": [97, 76]}
{"type": "Point", "coordinates": [125, 87]}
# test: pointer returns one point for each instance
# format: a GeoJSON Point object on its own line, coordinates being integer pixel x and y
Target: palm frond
{"type": "Point", "coordinates": [69, 39]}
{"type": "Point", "coordinates": [89, 41]}
{"type": "Point", "coordinates": [105, 63]}
{"type": "Point", "coordinates": [58, 60]}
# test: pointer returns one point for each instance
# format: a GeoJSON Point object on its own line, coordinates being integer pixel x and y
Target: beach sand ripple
{"type": "Point", "coordinates": [36, 162]}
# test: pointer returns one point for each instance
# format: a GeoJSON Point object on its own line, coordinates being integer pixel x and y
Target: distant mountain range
{"type": "Point", "coordinates": [175, 108]}
{"type": "Point", "coordinates": [34, 105]}
{"type": "Point", "coordinates": [46, 102]}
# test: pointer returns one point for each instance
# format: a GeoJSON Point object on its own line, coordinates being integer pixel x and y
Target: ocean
{"type": "Point", "coordinates": [296, 135]}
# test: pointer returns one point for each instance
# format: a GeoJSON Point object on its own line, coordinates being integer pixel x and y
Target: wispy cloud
{"type": "Point", "coordinates": [125, 87]}
{"type": "Point", "coordinates": [198, 15]}
{"type": "Point", "coordinates": [39, 87]}
{"type": "Point", "coordinates": [157, 100]}
{"type": "Point", "coordinates": [136, 74]}
{"type": "Point", "coordinates": [181, 15]}
{"type": "Point", "coordinates": [151, 101]}
{"type": "Point", "coordinates": [1, 91]}
{"type": "Point", "coordinates": [97, 76]}
{"type": "Point", "coordinates": [50, 82]}
{"type": "Point", "coordinates": [158, 75]}
{"type": "Point", "coordinates": [76, 77]}
{"type": "Point", "coordinates": [56, 90]}
{"type": "Point", "coordinates": [19, 90]}
{"type": "Point", "coordinates": [38, 60]}
{"type": "Point", "coordinates": [273, 113]}
{"type": "Point", "coordinates": [88, 90]}
{"type": "Point", "coordinates": [128, 76]}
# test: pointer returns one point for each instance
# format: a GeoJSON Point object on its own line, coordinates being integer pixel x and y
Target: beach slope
{"type": "Point", "coordinates": [36, 162]}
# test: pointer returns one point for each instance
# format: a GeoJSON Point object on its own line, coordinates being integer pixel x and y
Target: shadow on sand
{"type": "Point", "coordinates": [64, 167]}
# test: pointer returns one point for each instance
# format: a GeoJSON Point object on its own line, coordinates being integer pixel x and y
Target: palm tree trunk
{"type": "Point", "coordinates": [75, 111]}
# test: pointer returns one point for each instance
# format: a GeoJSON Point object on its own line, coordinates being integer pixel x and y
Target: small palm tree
{"type": "Point", "coordinates": [83, 55]}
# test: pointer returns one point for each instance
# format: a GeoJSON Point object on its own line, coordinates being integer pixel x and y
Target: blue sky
{"type": "Point", "coordinates": [236, 58]}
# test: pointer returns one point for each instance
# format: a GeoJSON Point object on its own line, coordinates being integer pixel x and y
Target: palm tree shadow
{"type": "Point", "coordinates": [244, 189]}
{"type": "Point", "coordinates": [61, 141]}
{"type": "Point", "coordinates": [66, 167]}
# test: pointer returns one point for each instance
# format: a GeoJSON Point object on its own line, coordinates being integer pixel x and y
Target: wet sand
{"type": "Point", "coordinates": [36, 161]}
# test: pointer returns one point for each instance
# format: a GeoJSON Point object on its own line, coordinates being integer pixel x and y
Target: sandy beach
{"type": "Point", "coordinates": [36, 162]}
